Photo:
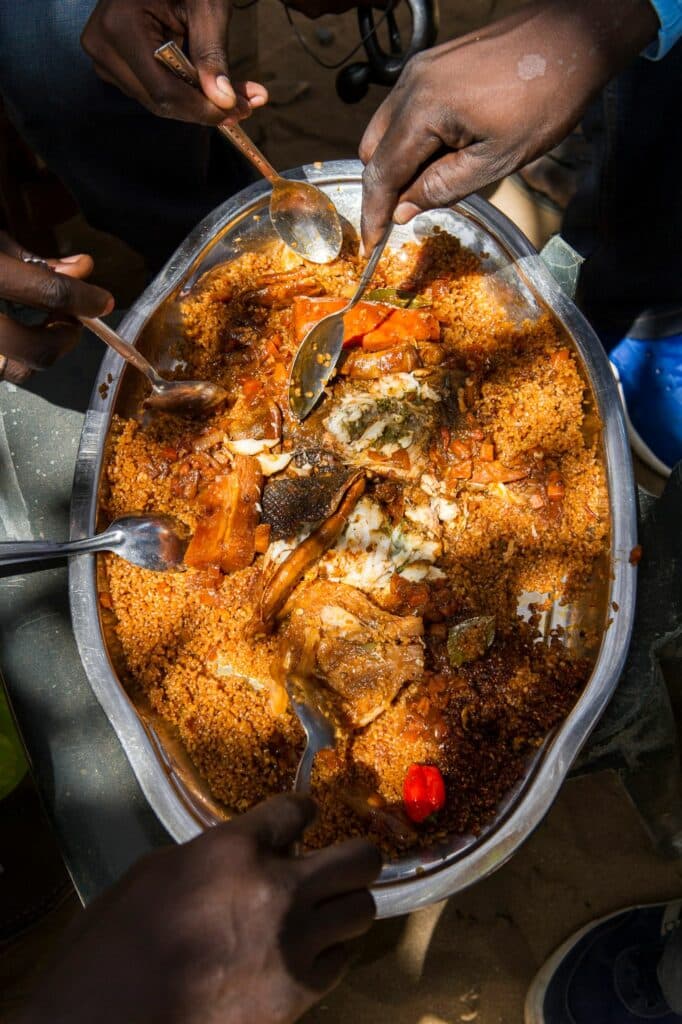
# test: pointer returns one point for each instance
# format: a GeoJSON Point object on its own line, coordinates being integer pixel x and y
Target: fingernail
{"type": "Point", "coordinates": [223, 85]}
{"type": "Point", "coordinates": [362, 251]}
{"type": "Point", "coordinates": [109, 307]}
{"type": "Point", "coordinates": [404, 212]}
{"type": "Point", "coordinates": [71, 259]}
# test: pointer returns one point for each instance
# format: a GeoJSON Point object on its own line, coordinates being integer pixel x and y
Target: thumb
{"type": "Point", "coordinates": [279, 821]}
{"type": "Point", "coordinates": [207, 36]}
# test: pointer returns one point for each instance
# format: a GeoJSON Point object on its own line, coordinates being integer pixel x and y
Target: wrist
{"type": "Point", "coordinates": [615, 31]}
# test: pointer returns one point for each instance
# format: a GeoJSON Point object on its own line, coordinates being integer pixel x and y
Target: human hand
{"type": "Point", "coordinates": [62, 295]}
{"type": "Point", "coordinates": [229, 928]}
{"type": "Point", "coordinates": [122, 35]}
{"type": "Point", "coordinates": [469, 112]}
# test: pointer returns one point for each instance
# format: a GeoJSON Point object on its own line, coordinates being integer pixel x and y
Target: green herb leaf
{"type": "Point", "coordinates": [469, 640]}
{"type": "Point", "coordinates": [397, 297]}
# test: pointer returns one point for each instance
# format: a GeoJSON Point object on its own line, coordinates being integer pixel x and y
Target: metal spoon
{"type": "Point", "coordinates": [152, 542]}
{"type": "Point", "coordinates": [188, 396]}
{"type": "Point", "coordinates": [319, 735]}
{"type": "Point", "coordinates": [321, 348]}
{"type": "Point", "coordinates": [178, 396]}
{"type": "Point", "coordinates": [303, 216]}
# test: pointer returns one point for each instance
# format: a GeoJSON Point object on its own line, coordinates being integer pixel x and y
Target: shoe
{"type": "Point", "coordinates": [649, 375]}
{"type": "Point", "coordinates": [606, 973]}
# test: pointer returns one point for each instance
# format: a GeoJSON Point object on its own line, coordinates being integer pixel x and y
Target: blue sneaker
{"type": "Point", "coordinates": [607, 972]}
{"type": "Point", "coordinates": [649, 374]}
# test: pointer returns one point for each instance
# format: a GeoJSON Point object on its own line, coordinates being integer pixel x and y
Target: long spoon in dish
{"type": "Point", "coordinates": [302, 215]}
{"type": "Point", "coordinates": [321, 348]}
{"type": "Point", "coordinates": [153, 542]}
{"type": "Point", "coordinates": [319, 734]}
{"type": "Point", "coordinates": [179, 396]}
{"type": "Point", "coordinates": [174, 396]}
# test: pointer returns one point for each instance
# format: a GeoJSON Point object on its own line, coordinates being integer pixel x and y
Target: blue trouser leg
{"type": "Point", "coordinates": [140, 177]}
{"type": "Point", "coordinates": [627, 214]}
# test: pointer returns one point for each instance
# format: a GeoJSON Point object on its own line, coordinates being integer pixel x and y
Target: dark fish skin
{"type": "Point", "coordinates": [290, 503]}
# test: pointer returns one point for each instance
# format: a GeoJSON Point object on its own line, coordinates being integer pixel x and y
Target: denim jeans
{"type": "Point", "coordinates": [627, 215]}
{"type": "Point", "coordinates": [140, 177]}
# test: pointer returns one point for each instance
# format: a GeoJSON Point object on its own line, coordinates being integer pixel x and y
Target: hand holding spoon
{"type": "Point", "coordinates": [179, 396]}
{"type": "Point", "coordinates": [303, 216]}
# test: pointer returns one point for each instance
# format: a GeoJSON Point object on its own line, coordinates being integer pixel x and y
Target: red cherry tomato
{"type": "Point", "coordinates": [423, 791]}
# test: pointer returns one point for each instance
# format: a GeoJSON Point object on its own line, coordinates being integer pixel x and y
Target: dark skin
{"type": "Point", "coordinates": [121, 36]}
{"type": "Point", "coordinates": [61, 293]}
{"type": "Point", "coordinates": [230, 928]}
{"type": "Point", "coordinates": [466, 114]}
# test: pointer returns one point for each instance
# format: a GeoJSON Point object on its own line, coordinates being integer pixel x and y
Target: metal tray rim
{"type": "Point", "coordinates": [536, 797]}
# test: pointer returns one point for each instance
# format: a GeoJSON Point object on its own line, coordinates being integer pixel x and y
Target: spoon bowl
{"type": "Point", "coordinates": [306, 220]}
{"type": "Point", "coordinates": [154, 542]}
{"type": "Point", "coordinates": [188, 397]}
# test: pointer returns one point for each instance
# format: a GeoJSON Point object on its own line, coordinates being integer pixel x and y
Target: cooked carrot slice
{"type": "Point", "coordinates": [375, 324]}
{"type": "Point", "coordinates": [401, 325]}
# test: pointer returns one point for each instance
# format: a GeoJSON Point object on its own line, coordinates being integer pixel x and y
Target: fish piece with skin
{"type": "Point", "coordinates": [294, 502]}
{"type": "Point", "coordinates": [334, 634]}
{"type": "Point", "coordinates": [291, 571]}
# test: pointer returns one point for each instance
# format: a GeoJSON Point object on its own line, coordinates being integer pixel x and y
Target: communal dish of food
{"type": "Point", "coordinates": [395, 554]}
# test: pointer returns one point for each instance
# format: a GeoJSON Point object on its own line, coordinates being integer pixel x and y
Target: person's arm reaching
{"type": "Point", "coordinates": [122, 35]}
{"type": "Point", "coordinates": [471, 111]}
{"type": "Point", "coordinates": [228, 928]}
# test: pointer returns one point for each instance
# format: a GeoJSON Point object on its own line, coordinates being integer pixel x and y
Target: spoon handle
{"type": "Point", "coordinates": [368, 272]}
{"type": "Point", "coordinates": [14, 551]}
{"type": "Point", "coordinates": [175, 60]}
{"type": "Point", "coordinates": [124, 348]}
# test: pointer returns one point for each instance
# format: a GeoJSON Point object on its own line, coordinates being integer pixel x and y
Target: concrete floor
{"type": "Point", "coordinates": [472, 957]}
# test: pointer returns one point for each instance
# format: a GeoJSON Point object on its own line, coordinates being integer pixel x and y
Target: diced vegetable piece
{"type": "Point", "coordinates": [261, 539]}
{"type": "Point", "coordinates": [423, 792]}
{"type": "Point", "coordinates": [401, 325]}
{"type": "Point", "coordinates": [470, 639]}
{"type": "Point", "coordinates": [361, 319]}
{"type": "Point", "coordinates": [225, 535]}
{"type": "Point", "coordinates": [251, 387]}
{"type": "Point", "coordinates": [376, 326]}
{"type": "Point", "coordinates": [460, 448]}
{"type": "Point", "coordinates": [556, 489]}
{"type": "Point", "coordinates": [487, 452]}
{"type": "Point", "coordinates": [397, 297]}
